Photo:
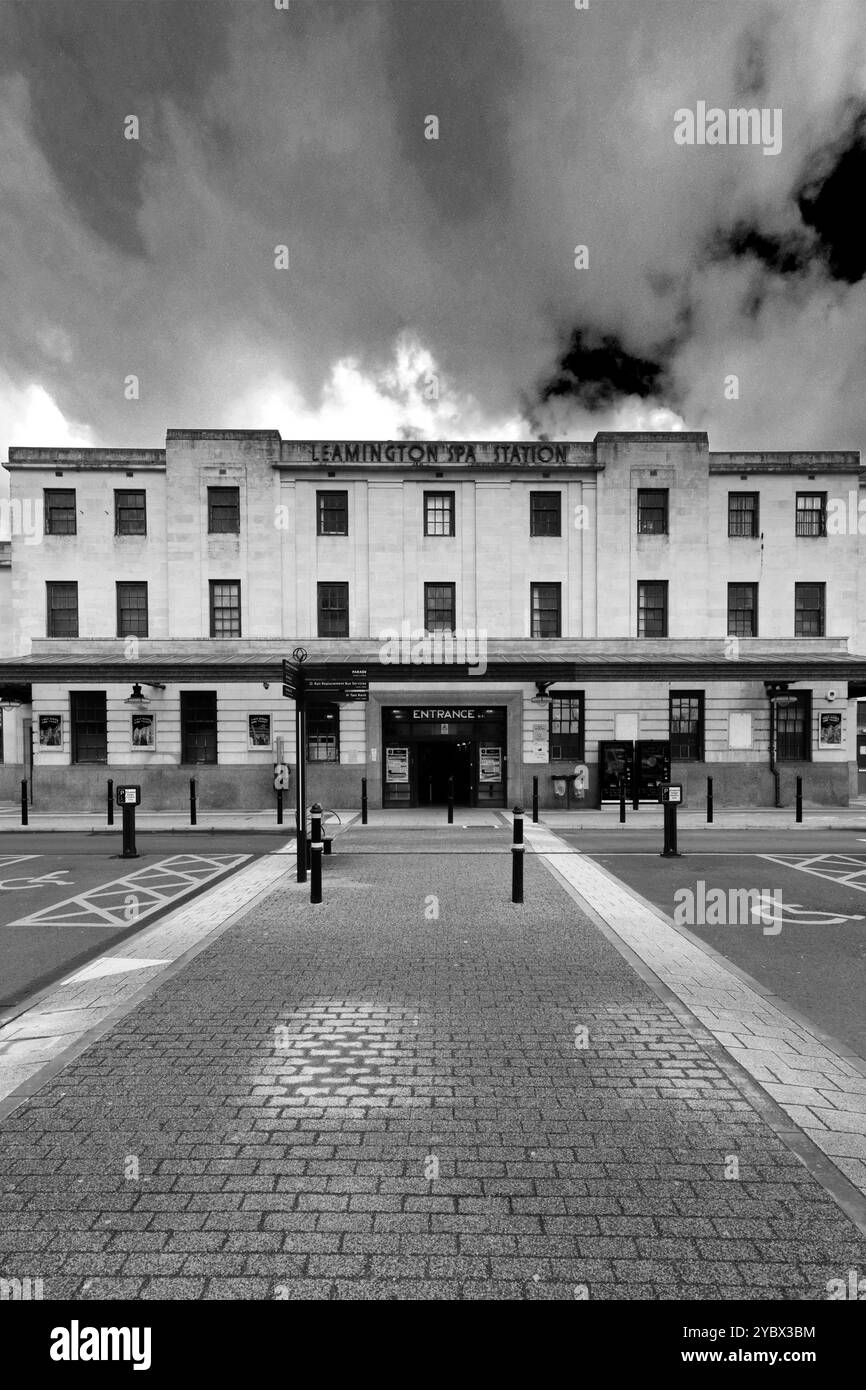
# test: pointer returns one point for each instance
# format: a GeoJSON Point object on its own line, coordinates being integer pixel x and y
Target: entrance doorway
{"type": "Point", "coordinates": [438, 763]}
{"type": "Point", "coordinates": [425, 745]}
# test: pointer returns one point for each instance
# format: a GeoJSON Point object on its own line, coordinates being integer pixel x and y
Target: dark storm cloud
{"type": "Point", "coordinates": [305, 127]}
{"type": "Point", "coordinates": [91, 63]}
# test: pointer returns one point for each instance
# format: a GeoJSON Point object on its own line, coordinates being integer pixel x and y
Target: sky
{"type": "Point", "coordinates": [431, 288]}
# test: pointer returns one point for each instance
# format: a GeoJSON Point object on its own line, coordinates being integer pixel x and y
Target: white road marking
{"type": "Point", "coordinates": [132, 899]}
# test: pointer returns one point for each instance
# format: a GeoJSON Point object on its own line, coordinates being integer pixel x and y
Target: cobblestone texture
{"type": "Point", "coordinates": [360, 1100]}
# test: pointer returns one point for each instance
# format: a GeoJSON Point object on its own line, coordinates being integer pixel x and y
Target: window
{"type": "Point", "coordinates": [60, 519]}
{"type": "Point", "coordinates": [809, 604]}
{"type": "Point", "coordinates": [132, 609]}
{"type": "Point", "coordinates": [652, 511]}
{"type": "Point", "coordinates": [225, 608]}
{"type": "Point", "coordinates": [440, 601]}
{"type": "Point", "coordinates": [62, 610]}
{"type": "Point", "coordinates": [223, 510]}
{"type": "Point", "coordinates": [793, 720]}
{"type": "Point", "coordinates": [566, 725]}
{"type": "Point", "coordinates": [89, 726]}
{"type": "Point", "coordinates": [332, 510]}
{"type": "Point", "coordinates": [438, 513]}
{"type": "Point", "coordinates": [198, 726]}
{"type": "Point", "coordinates": [811, 514]}
{"type": "Point", "coordinates": [545, 514]}
{"type": "Point", "coordinates": [323, 734]}
{"type": "Point", "coordinates": [743, 514]}
{"type": "Point", "coordinates": [742, 610]}
{"type": "Point", "coordinates": [546, 604]}
{"type": "Point", "coordinates": [652, 608]}
{"type": "Point", "coordinates": [333, 605]}
{"type": "Point", "coordinates": [130, 513]}
{"type": "Point", "coordinates": [687, 725]}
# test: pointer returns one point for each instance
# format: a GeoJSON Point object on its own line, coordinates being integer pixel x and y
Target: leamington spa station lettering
{"type": "Point", "coordinates": [340, 451]}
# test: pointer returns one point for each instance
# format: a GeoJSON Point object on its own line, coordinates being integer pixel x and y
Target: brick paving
{"type": "Point", "coordinates": [367, 1100]}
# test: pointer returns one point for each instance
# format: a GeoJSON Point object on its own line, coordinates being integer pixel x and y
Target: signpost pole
{"type": "Point", "coordinates": [129, 850]}
{"type": "Point", "coordinates": [300, 758]}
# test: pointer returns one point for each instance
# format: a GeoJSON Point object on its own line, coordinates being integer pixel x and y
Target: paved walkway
{"type": "Point", "coordinates": [414, 1090]}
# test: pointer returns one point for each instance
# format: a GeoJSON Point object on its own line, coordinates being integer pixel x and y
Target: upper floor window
{"type": "Point", "coordinates": [440, 601]}
{"type": "Point", "coordinates": [130, 513]}
{"type": "Point", "coordinates": [333, 610]}
{"type": "Point", "coordinates": [132, 609]}
{"type": "Point", "coordinates": [62, 609]}
{"type": "Point", "coordinates": [811, 514]}
{"type": "Point", "coordinates": [742, 610]}
{"type": "Point", "coordinates": [546, 605]}
{"type": "Point", "coordinates": [809, 609]}
{"type": "Point", "coordinates": [652, 511]}
{"type": "Point", "coordinates": [332, 510]}
{"type": "Point", "coordinates": [323, 734]}
{"type": "Point", "coordinates": [652, 608]}
{"type": "Point", "coordinates": [438, 513]}
{"type": "Point", "coordinates": [686, 715]}
{"type": "Point", "coordinates": [743, 514]}
{"type": "Point", "coordinates": [60, 518]}
{"type": "Point", "coordinates": [225, 608]}
{"type": "Point", "coordinates": [545, 514]}
{"type": "Point", "coordinates": [224, 510]}
{"type": "Point", "coordinates": [566, 725]}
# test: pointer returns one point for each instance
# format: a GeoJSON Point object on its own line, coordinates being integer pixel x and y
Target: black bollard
{"type": "Point", "coordinates": [535, 801]}
{"type": "Point", "coordinates": [450, 800]}
{"type": "Point", "coordinates": [799, 810]}
{"type": "Point", "coordinates": [709, 801]}
{"type": "Point", "coordinates": [129, 850]}
{"type": "Point", "coordinates": [24, 817]}
{"type": "Point", "coordinates": [109, 804]}
{"type": "Point", "coordinates": [279, 805]}
{"type": "Point", "coordinates": [622, 801]}
{"type": "Point", "coordinates": [192, 809]}
{"type": "Point", "coordinates": [363, 801]}
{"type": "Point", "coordinates": [316, 848]}
{"type": "Point", "coordinates": [517, 852]}
{"type": "Point", "coordinates": [670, 850]}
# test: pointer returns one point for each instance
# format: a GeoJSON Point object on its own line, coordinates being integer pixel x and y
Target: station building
{"type": "Point", "coordinates": [635, 606]}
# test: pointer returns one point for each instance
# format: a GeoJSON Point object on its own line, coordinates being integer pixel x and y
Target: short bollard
{"type": "Point", "coordinates": [316, 849]}
{"type": "Point", "coordinates": [799, 810]}
{"type": "Point", "coordinates": [709, 801]}
{"type": "Point", "coordinates": [192, 806]}
{"type": "Point", "coordinates": [450, 800]}
{"type": "Point", "coordinates": [279, 805]}
{"type": "Point", "coordinates": [109, 805]}
{"type": "Point", "coordinates": [24, 817]}
{"type": "Point", "coordinates": [517, 852]}
{"type": "Point", "coordinates": [535, 801]}
{"type": "Point", "coordinates": [622, 801]}
{"type": "Point", "coordinates": [635, 795]}
{"type": "Point", "coordinates": [129, 850]}
{"type": "Point", "coordinates": [670, 850]}
{"type": "Point", "coordinates": [363, 801]}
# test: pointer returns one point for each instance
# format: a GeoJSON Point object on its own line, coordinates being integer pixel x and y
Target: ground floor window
{"type": "Point", "coordinates": [793, 715]}
{"type": "Point", "coordinates": [198, 726]}
{"type": "Point", "coordinates": [566, 726]}
{"type": "Point", "coordinates": [323, 734]}
{"type": "Point", "coordinates": [687, 725]}
{"type": "Point", "coordinates": [87, 713]}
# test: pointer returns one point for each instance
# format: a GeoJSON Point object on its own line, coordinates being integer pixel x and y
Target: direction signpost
{"type": "Point", "coordinates": [339, 684]}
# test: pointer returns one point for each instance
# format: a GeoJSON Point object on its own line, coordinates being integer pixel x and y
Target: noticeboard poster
{"type": "Point", "coordinates": [51, 731]}
{"type": "Point", "coordinates": [830, 729]}
{"type": "Point", "coordinates": [144, 731]}
{"type": "Point", "coordinates": [489, 764]}
{"type": "Point", "coordinates": [259, 731]}
{"type": "Point", "coordinates": [397, 764]}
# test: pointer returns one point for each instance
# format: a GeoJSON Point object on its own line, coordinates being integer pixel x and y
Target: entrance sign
{"type": "Point", "coordinates": [490, 764]}
{"type": "Point", "coordinates": [397, 764]}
